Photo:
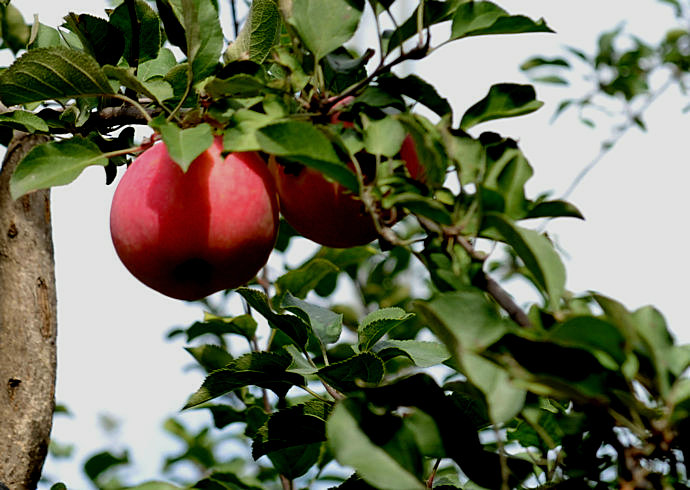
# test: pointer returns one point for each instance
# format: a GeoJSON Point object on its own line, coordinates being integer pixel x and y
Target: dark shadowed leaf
{"type": "Point", "coordinates": [146, 28]}
{"type": "Point", "coordinates": [183, 145]}
{"type": "Point", "coordinates": [417, 89]}
{"type": "Point", "coordinates": [52, 73]}
{"type": "Point", "coordinates": [290, 325]}
{"type": "Point", "coordinates": [54, 163]}
{"type": "Point", "coordinates": [305, 278]}
{"type": "Point", "coordinates": [100, 38]}
{"type": "Point", "coordinates": [366, 368]}
{"type": "Point", "coordinates": [324, 25]}
{"type": "Point", "coordinates": [264, 369]}
{"type": "Point", "coordinates": [554, 209]}
{"type": "Point", "coordinates": [99, 463]}
{"type": "Point", "coordinates": [503, 100]}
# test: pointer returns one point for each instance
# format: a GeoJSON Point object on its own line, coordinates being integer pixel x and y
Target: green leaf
{"type": "Point", "coordinates": [184, 145]}
{"type": "Point", "coordinates": [155, 485]}
{"type": "Point", "coordinates": [43, 36]}
{"type": "Point", "coordinates": [101, 462]}
{"type": "Point", "coordinates": [302, 142]}
{"type": "Point", "coordinates": [305, 278]}
{"type": "Point", "coordinates": [324, 25]}
{"type": "Point", "coordinates": [243, 325]}
{"type": "Point", "coordinates": [211, 357]}
{"type": "Point", "coordinates": [158, 67]}
{"type": "Point", "coordinates": [54, 163]}
{"type": "Point", "coordinates": [503, 100]}
{"type": "Point", "coordinates": [326, 324]}
{"type": "Point", "coordinates": [483, 18]}
{"type": "Point", "coordinates": [224, 480]}
{"type": "Point", "coordinates": [592, 334]}
{"type": "Point", "coordinates": [23, 121]}
{"type": "Point", "coordinates": [507, 171]}
{"type": "Point", "coordinates": [203, 34]}
{"type": "Point", "coordinates": [100, 38]}
{"type": "Point", "coordinates": [463, 320]}
{"type": "Point", "coordinates": [383, 137]}
{"type": "Point", "coordinates": [15, 33]}
{"type": "Point", "coordinates": [417, 89]}
{"type": "Point", "coordinates": [240, 135]}
{"type": "Point", "coordinates": [422, 353]}
{"type": "Point", "coordinates": [538, 254]}
{"type": "Point", "coordinates": [52, 73]}
{"type": "Point", "coordinates": [352, 447]}
{"type": "Point", "coordinates": [258, 34]}
{"type": "Point", "coordinates": [263, 369]}
{"type": "Point", "coordinates": [538, 61]}
{"type": "Point", "coordinates": [504, 398]}
{"type": "Point", "coordinates": [554, 209]}
{"type": "Point", "coordinates": [292, 326]}
{"type": "Point", "coordinates": [241, 85]}
{"type": "Point", "coordinates": [348, 375]}
{"type": "Point", "coordinates": [378, 323]}
{"type": "Point", "coordinates": [146, 27]}
{"type": "Point", "coordinates": [127, 78]}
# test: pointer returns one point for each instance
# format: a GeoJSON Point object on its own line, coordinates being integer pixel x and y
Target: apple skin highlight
{"type": "Point", "coordinates": [190, 234]}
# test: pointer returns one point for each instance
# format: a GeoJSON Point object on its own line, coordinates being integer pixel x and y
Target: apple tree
{"type": "Point", "coordinates": [432, 376]}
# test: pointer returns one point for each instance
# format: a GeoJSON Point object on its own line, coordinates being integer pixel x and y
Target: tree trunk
{"type": "Point", "coordinates": [28, 326]}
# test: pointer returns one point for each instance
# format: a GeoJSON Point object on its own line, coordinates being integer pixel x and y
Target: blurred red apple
{"type": "Point", "coordinates": [190, 234]}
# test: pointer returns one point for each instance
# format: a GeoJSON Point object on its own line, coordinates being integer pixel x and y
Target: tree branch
{"type": "Point", "coordinates": [28, 326]}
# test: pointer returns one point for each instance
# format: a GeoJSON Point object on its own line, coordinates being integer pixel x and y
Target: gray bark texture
{"type": "Point", "coordinates": [28, 326]}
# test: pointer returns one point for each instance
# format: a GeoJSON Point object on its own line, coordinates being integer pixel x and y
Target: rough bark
{"type": "Point", "coordinates": [28, 327]}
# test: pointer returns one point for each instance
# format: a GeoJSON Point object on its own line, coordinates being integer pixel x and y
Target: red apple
{"type": "Point", "coordinates": [190, 234]}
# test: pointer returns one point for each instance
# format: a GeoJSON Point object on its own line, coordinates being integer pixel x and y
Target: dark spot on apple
{"type": "Point", "coordinates": [194, 271]}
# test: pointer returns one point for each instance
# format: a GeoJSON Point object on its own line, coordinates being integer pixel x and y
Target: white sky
{"type": "Point", "coordinates": [633, 245]}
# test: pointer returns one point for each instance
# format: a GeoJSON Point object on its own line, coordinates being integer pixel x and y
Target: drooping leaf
{"type": "Point", "coordinates": [54, 163]}
{"type": "Point", "coordinates": [378, 323]}
{"type": "Point", "coordinates": [143, 31]}
{"type": "Point", "coordinates": [302, 142]}
{"type": "Point", "coordinates": [263, 369]}
{"type": "Point", "coordinates": [52, 73]}
{"type": "Point", "coordinates": [417, 89]}
{"type": "Point", "coordinates": [14, 31]}
{"type": "Point", "coordinates": [203, 34]}
{"type": "Point", "coordinates": [483, 18]}
{"type": "Point", "coordinates": [218, 326]}
{"type": "Point", "coordinates": [101, 462]}
{"type": "Point", "coordinates": [503, 100]}
{"type": "Point", "coordinates": [258, 34]}
{"type": "Point", "coordinates": [324, 25]}
{"type": "Point", "coordinates": [326, 324]}
{"type": "Point", "coordinates": [291, 325]}
{"type": "Point", "coordinates": [184, 145]}
{"type": "Point", "coordinates": [538, 254]}
{"type": "Point", "coordinates": [23, 121]}
{"type": "Point", "coordinates": [352, 447]}
{"type": "Point", "coordinates": [554, 209]}
{"type": "Point", "coordinates": [365, 368]}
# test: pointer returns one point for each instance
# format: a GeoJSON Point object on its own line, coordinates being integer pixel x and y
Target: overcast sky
{"type": "Point", "coordinates": [633, 245]}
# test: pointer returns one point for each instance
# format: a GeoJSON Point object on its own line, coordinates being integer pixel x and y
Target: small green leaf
{"type": "Point", "coordinates": [483, 18]}
{"type": "Point", "coordinates": [304, 143]}
{"type": "Point", "coordinates": [52, 73]}
{"type": "Point", "coordinates": [184, 145]}
{"type": "Point", "coordinates": [538, 61]}
{"type": "Point", "coordinates": [263, 369]}
{"type": "Point", "coordinates": [366, 368]}
{"type": "Point", "coordinates": [99, 463]}
{"type": "Point", "coordinates": [243, 325]}
{"type": "Point", "coordinates": [538, 254]}
{"type": "Point", "coordinates": [383, 137]}
{"type": "Point", "coordinates": [127, 78]}
{"type": "Point", "coordinates": [211, 357]}
{"type": "Point", "coordinates": [503, 100]}
{"type": "Point", "coordinates": [326, 324]}
{"type": "Point", "coordinates": [54, 163]}
{"type": "Point", "coordinates": [23, 121]}
{"type": "Point", "coordinates": [157, 67]}
{"type": "Point", "coordinates": [554, 209]}
{"type": "Point", "coordinates": [258, 34]}
{"type": "Point", "coordinates": [324, 25]}
{"type": "Point", "coordinates": [422, 353]}
{"type": "Point", "coordinates": [378, 323]}
{"type": "Point", "coordinates": [305, 278]}
{"type": "Point", "coordinates": [241, 132]}
{"type": "Point", "coordinates": [352, 447]}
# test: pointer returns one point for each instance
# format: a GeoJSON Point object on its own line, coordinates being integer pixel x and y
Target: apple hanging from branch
{"type": "Point", "coordinates": [190, 234]}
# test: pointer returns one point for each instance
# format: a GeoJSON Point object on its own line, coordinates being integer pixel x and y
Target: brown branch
{"type": "Point", "coordinates": [27, 326]}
